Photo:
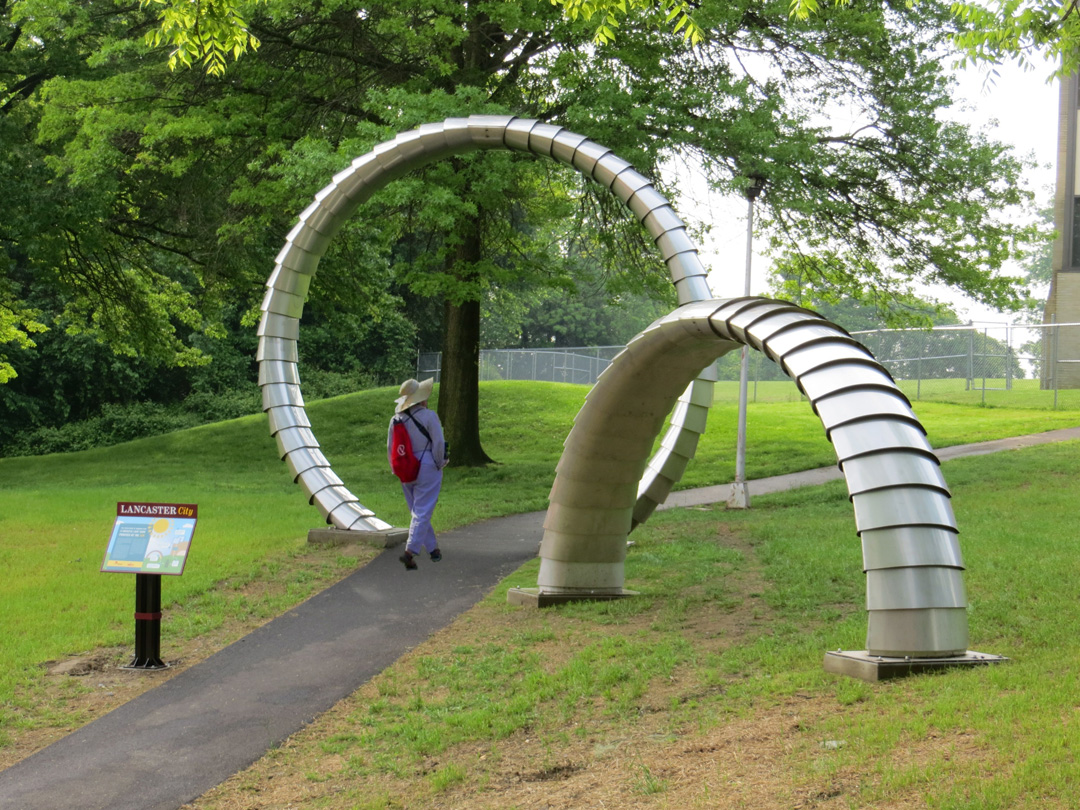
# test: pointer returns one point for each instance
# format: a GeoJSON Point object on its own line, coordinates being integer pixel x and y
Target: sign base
{"type": "Point", "coordinates": [148, 666]}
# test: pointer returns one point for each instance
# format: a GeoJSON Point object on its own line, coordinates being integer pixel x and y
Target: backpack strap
{"type": "Point", "coordinates": [427, 435]}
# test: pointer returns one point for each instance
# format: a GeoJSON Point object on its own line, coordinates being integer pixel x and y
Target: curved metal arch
{"type": "Point", "coordinates": [308, 241]}
{"type": "Point", "coordinates": [915, 590]}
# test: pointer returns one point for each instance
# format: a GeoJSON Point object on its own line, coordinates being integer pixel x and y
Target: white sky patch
{"type": "Point", "coordinates": [1016, 107]}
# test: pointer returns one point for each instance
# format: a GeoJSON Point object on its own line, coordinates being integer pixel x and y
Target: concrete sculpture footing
{"type": "Point", "coordinates": [866, 667]}
{"type": "Point", "coordinates": [537, 598]}
{"type": "Point", "coordinates": [739, 498]}
{"type": "Point", "coordinates": [333, 536]}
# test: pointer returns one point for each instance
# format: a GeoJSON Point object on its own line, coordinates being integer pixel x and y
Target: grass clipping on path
{"type": "Point", "coordinates": [708, 691]}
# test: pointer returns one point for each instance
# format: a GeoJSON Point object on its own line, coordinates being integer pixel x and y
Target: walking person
{"type": "Point", "coordinates": [425, 436]}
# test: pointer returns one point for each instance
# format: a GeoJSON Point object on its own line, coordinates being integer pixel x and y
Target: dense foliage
{"type": "Point", "coordinates": [144, 206]}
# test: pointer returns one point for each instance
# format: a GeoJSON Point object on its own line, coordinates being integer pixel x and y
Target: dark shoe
{"type": "Point", "coordinates": [410, 563]}
{"type": "Point", "coordinates": [436, 555]}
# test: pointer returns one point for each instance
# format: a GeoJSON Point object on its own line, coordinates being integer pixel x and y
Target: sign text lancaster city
{"type": "Point", "coordinates": [155, 509]}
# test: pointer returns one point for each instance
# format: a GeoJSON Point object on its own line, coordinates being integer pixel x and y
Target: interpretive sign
{"type": "Point", "coordinates": [150, 538]}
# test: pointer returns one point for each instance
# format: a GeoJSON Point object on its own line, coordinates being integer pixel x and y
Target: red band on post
{"type": "Point", "coordinates": [147, 617]}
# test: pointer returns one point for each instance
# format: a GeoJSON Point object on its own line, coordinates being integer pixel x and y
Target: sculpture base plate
{"type": "Point", "coordinates": [861, 664]}
{"type": "Point", "coordinates": [534, 597]}
{"type": "Point", "coordinates": [332, 536]}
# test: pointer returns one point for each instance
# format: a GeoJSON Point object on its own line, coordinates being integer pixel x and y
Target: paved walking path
{"type": "Point", "coordinates": [173, 743]}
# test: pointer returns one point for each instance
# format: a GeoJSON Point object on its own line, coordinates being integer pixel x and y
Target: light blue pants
{"type": "Point", "coordinates": [421, 495]}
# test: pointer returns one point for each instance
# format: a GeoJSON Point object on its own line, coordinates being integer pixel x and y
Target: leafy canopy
{"type": "Point", "coordinates": [204, 31]}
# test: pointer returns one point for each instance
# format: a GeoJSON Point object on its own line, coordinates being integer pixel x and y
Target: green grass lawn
{"type": "Point", "coordinates": [56, 512]}
{"type": "Point", "coordinates": [735, 611]}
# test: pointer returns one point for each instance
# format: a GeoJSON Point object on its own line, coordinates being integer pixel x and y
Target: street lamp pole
{"type": "Point", "coordinates": [740, 494]}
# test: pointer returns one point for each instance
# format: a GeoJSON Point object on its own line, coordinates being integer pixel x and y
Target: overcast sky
{"type": "Point", "coordinates": [1020, 108]}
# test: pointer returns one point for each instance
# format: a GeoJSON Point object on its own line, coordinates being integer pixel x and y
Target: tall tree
{"type": "Point", "coordinates": [841, 114]}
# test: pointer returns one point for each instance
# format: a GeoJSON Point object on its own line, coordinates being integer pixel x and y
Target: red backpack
{"type": "Point", "coordinates": [403, 463]}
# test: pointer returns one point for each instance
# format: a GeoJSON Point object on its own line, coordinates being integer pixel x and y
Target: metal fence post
{"type": "Point", "coordinates": [1008, 357]}
{"type": "Point", "coordinates": [984, 368]}
{"type": "Point", "coordinates": [918, 367]}
{"type": "Point", "coordinates": [1054, 357]}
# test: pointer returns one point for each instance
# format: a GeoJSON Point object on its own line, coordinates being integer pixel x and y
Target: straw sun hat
{"type": "Point", "coordinates": [413, 392]}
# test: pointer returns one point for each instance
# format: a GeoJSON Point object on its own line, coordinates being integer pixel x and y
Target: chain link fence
{"type": "Point", "coordinates": [1013, 365]}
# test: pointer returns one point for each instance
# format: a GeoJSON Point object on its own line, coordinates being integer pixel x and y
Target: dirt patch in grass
{"type": "Point", "coordinates": [84, 686]}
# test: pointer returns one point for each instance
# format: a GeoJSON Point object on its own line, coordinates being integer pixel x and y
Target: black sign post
{"type": "Point", "coordinates": [150, 540]}
{"type": "Point", "coordinates": [147, 623]}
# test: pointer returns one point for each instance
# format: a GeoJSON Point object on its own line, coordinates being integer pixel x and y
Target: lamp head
{"type": "Point", "coordinates": [757, 185]}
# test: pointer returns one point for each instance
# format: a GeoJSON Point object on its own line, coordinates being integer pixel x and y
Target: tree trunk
{"type": "Point", "coordinates": [459, 387]}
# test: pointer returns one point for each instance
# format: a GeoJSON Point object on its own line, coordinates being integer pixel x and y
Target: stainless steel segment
{"type": "Point", "coordinates": [829, 379]}
{"type": "Point", "coordinates": [293, 438]}
{"type": "Point", "coordinates": [602, 495]}
{"type": "Point", "coordinates": [593, 547]}
{"type": "Point", "coordinates": [329, 499]}
{"type": "Point", "coordinates": [316, 479]}
{"type": "Point", "coordinates": [653, 489]}
{"type": "Point", "coordinates": [369, 524]}
{"type": "Point", "coordinates": [608, 168]}
{"type": "Point", "coordinates": [750, 311]}
{"type": "Point", "coordinates": [321, 220]}
{"type": "Point", "coordinates": [691, 417]}
{"type": "Point", "coordinates": [350, 181]}
{"type": "Point", "coordinates": [456, 131]}
{"type": "Point", "coordinates": [589, 520]}
{"type": "Point", "coordinates": [627, 184]}
{"type": "Point", "coordinates": [817, 355]}
{"type": "Point", "coordinates": [586, 155]}
{"type": "Point", "coordinates": [282, 303]}
{"type": "Point", "coordinates": [562, 576]}
{"type": "Point", "coordinates": [350, 512]}
{"type": "Point", "coordinates": [775, 322]}
{"type": "Point", "coordinates": [565, 144]}
{"type": "Point", "coordinates": [873, 435]}
{"type": "Point", "coordinates": [674, 241]}
{"type": "Point", "coordinates": [274, 395]}
{"type": "Point", "coordinates": [685, 265]}
{"type": "Point", "coordinates": [308, 239]}
{"type": "Point", "coordinates": [282, 326]}
{"type": "Point", "coordinates": [892, 469]}
{"type": "Point", "coordinates": [391, 162]}
{"type": "Point", "coordinates": [859, 404]}
{"type": "Point", "coordinates": [915, 588]}
{"type": "Point", "coordinates": [433, 139]}
{"type": "Point", "coordinates": [517, 134]}
{"type": "Point", "coordinates": [487, 130]}
{"type": "Point", "coordinates": [271, 348]}
{"type": "Point", "coordinates": [924, 633]}
{"type": "Point", "coordinates": [904, 546]}
{"type": "Point", "coordinates": [646, 200]}
{"type": "Point", "coordinates": [668, 463]}
{"type": "Point", "coordinates": [304, 459]}
{"type": "Point", "coordinates": [287, 416]}
{"type": "Point", "coordinates": [278, 371]}
{"type": "Point", "coordinates": [541, 138]}
{"type": "Point", "coordinates": [289, 281]}
{"type": "Point", "coordinates": [661, 220]}
{"type": "Point", "coordinates": [902, 506]}
{"type": "Point", "coordinates": [796, 337]}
